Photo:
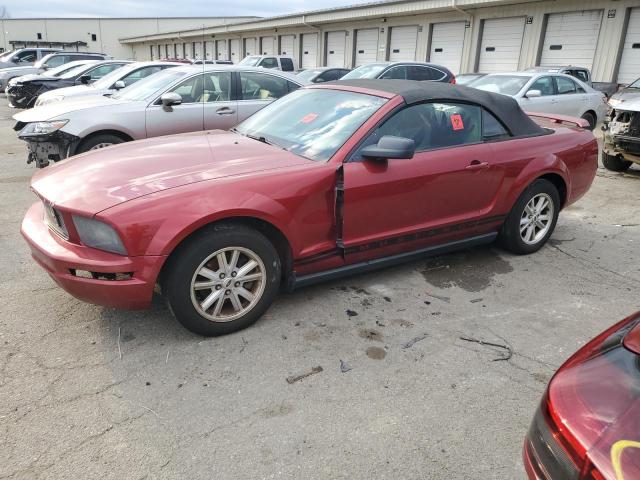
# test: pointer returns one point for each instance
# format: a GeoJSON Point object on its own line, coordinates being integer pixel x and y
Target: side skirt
{"type": "Point", "coordinates": [347, 270]}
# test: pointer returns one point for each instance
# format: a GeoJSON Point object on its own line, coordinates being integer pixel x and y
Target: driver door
{"type": "Point", "coordinates": [547, 102]}
{"type": "Point", "coordinates": [397, 205]}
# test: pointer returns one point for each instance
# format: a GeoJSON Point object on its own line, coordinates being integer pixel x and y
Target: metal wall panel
{"type": "Point", "coordinates": [630, 61]}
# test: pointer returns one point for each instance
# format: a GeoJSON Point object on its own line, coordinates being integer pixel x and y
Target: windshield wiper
{"type": "Point", "coordinates": [258, 138]}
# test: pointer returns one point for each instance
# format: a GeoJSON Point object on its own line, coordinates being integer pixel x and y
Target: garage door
{"type": "Point", "coordinates": [236, 55]}
{"type": "Point", "coordinates": [335, 49]}
{"type": "Point", "coordinates": [447, 41]}
{"type": "Point", "coordinates": [571, 38]}
{"type": "Point", "coordinates": [309, 50]}
{"type": "Point", "coordinates": [268, 45]}
{"type": "Point", "coordinates": [501, 45]}
{"type": "Point", "coordinates": [366, 46]}
{"type": "Point", "coordinates": [210, 52]}
{"type": "Point", "coordinates": [286, 44]}
{"type": "Point", "coordinates": [222, 50]}
{"type": "Point", "coordinates": [403, 43]}
{"type": "Point", "coordinates": [197, 53]}
{"type": "Point", "coordinates": [630, 61]}
{"type": "Point", "coordinates": [250, 47]}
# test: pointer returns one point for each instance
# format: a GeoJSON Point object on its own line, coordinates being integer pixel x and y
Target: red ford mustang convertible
{"type": "Point", "coordinates": [327, 181]}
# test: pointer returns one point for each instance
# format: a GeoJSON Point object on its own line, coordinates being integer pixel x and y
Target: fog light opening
{"type": "Point", "coordinates": [119, 276]}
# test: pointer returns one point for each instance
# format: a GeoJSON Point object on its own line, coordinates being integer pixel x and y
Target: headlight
{"type": "Point", "coordinates": [42, 128]}
{"type": "Point", "coordinates": [53, 99]}
{"type": "Point", "coordinates": [96, 234]}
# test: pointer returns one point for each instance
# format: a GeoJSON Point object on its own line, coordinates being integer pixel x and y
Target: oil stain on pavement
{"type": "Point", "coordinates": [471, 270]}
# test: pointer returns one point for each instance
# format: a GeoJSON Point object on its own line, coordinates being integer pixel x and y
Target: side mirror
{"type": "Point", "coordinates": [85, 79]}
{"type": "Point", "coordinates": [16, 60]}
{"type": "Point", "coordinates": [389, 147]}
{"type": "Point", "coordinates": [170, 98]}
{"type": "Point", "coordinates": [533, 94]}
{"type": "Point", "coordinates": [45, 67]}
{"type": "Point", "coordinates": [119, 85]}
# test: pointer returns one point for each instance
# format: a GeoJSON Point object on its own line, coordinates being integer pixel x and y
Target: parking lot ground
{"type": "Point", "coordinates": [91, 392]}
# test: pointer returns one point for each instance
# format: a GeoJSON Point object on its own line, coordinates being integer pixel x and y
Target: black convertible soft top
{"type": "Point", "coordinates": [504, 107]}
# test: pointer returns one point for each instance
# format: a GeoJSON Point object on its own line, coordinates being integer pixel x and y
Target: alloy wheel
{"type": "Point", "coordinates": [228, 284]}
{"type": "Point", "coordinates": [536, 219]}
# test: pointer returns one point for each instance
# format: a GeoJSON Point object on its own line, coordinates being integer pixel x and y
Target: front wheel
{"type": "Point", "coordinates": [615, 163]}
{"type": "Point", "coordinates": [532, 219]}
{"type": "Point", "coordinates": [222, 280]}
{"type": "Point", "coordinates": [101, 140]}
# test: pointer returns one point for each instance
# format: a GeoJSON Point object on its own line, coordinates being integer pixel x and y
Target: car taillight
{"type": "Point", "coordinates": [592, 404]}
{"type": "Point", "coordinates": [453, 80]}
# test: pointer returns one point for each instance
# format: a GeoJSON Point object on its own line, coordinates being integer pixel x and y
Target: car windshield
{"type": "Point", "coordinates": [74, 72]}
{"type": "Point", "coordinates": [466, 79]}
{"type": "Point", "coordinates": [504, 84]}
{"type": "Point", "coordinates": [635, 84]}
{"type": "Point", "coordinates": [112, 77]}
{"type": "Point", "coordinates": [250, 61]}
{"type": "Point", "coordinates": [59, 70]}
{"type": "Point", "coordinates": [307, 75]}
{"type": "Point", "coordinates": [150, 86]}
{"type": "Point", "coordinates": [311, 123]}
{"type": "Point", "coordinates": [371, 70]}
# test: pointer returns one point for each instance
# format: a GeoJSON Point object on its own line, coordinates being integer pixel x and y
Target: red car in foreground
{"type": "Point", "coordinates": [588, 424]}
{"type": "Point", "coordinates": [327, 181]}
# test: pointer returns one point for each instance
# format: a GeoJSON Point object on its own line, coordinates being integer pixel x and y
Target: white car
{"type": "Point", "coordinates": [107, 85]}
{"type": "Point", "coordinates": [552, 93]}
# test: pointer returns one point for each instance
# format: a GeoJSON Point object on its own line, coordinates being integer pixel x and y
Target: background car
{"type": "Point", "coordinates": [621, 135]}
{"type": "Point", "coordinates": [212, 62]}
{"type": "Point", "coordinates": [630, 92]}
{"type": "Point", "coordinates": [23, 94]}
{"type": "Point", "coordinates": [24, 56]}
{"type": "Point", "coordinates": [177, 100]}
{"type": "Point", "coordinates": [582, 74]}
{"type": "Point", "coordinates": [548, 93]}
{"type": "Point", "coordinates": [285, 63]}
{"type": "Point", "coordinates": [402, 71]}
{"type": "Point", "coordinates": [118, 79]}
{"type": "Point", "coordinates": [587, 424]}
{"type": "Point", "coordinates": [53, 72]}
{"type": "Point", "coordinates": [51, 60]}
{"type": "Point", "coordinates": [323, 74]}
{"type": "Point", "coordinates": [467, 78]}
{"type": "Point", "coordinates": [230, 217]}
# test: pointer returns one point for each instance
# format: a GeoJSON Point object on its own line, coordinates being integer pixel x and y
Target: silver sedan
{"type": "Point", "coordinates": [176, 100]}
{"type": "Point", "coordinates": [548, 93]}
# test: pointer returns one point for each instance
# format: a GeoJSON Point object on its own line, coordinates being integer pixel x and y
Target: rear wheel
{"type": "Point", "coordinates": [615, 163]}
{"type": "Point", "coordinates": [590, 117]}
{"type": "Point", "coordinates": [532, 219]}
{"type": "Point", "coordinates": [101, 140]}
{"type": "Point", "coordinates": [222, 280]}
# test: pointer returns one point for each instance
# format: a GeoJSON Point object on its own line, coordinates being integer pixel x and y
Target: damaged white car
{"type": "Point", "coordinates": [622, 137]}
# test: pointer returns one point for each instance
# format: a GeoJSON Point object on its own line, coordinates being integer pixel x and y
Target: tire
{"type": "Point", "coordinates": [524, 243]}
{"type": "Point", "coordinates": [101, 140]}
{"type": "Point", "coordinates": [615, 163]}
{"type": "Point", "coordinates": [210, 310]}
{"type": "Point", "coordinates": [589, 117]}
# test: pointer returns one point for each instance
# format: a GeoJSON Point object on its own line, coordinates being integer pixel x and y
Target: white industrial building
{"type": "Point", "coordinates": [94, 34]}
{"type": "Point", "coordinates": [464, 35]}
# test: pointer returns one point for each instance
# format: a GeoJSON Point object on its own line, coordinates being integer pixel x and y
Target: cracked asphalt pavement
{"type": "Point", "coordinates": [90, 392]}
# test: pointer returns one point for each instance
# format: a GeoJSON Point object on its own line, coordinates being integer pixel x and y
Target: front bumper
{"type": "Point", "coordinates": [21, 96]}
{"type": "Point", "coordinates": [62, 260]}
{"type": "Point", "coordinates": [54, 147]}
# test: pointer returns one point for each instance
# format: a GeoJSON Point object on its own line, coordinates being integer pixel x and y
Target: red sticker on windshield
{"type": "Point", "coordinates": [456, 122]}
{"type": "Point", "coordinates": [309, 117]}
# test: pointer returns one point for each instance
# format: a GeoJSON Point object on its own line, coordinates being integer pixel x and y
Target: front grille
{"type": "Point", "coordinates": [54, 220]}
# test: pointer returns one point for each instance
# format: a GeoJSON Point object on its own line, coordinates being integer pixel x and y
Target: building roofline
{"type": "Point", "coordinates": [251, 17]}
{"type": "Point", "coordinates": [385, 8]}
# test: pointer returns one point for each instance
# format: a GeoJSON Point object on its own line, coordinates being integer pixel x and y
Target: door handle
{"type": "Point", "coordinates": [477, 165]}
{"type": "Point", "coordinates": [225, 111]}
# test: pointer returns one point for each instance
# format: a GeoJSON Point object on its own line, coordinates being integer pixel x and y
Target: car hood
{"type": "Point", "coordinates": [625, 97]}
{"type": "Point", "coordinates": [101, 179]}
{"type": "Point", "coordinates": [34, 76]}
{"type": "Point", "coordinates": [57, 109]}
{"type": "Point", "coordinates": [5, 68]}
{"type": "Point", "coordinates": [79, 90]}
{"type": "Point", "coordinates": [629, 105]}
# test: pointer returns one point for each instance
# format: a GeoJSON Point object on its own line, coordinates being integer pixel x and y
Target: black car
{"type": "Point", "coordinates": [23, 93]}
{"type": "Point", "coordinates": [420, 71]}
{"type": "Point", "coordinates": [323, 74]}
